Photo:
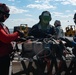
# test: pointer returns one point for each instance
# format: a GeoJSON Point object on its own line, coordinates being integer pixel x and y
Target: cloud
{"type": "Point", "coordinates": [62, 15]}
{"type": "Point", "coordinates": [74, 10]}
{"type": "Point", "coordinates": [14, 10]}
{"type": "Point", "coordinates": [11, 0]}
{"type": "Point", "coordinates": [42, 1]}
{"type": "Point", "coordinates": [57, 13]}
{"type": "Point", "coordinates": [71, 2]}
{"type": "Point", "coordinates": [16, 22]}
{"type": "Point", "coordinates": [28, 15]}
{"type": "Point", "coordinates": [65, 2]}
{"type": "Point", "coordinates": [68, 11]}
{"type": "Point", "coordinates": [41, 6]}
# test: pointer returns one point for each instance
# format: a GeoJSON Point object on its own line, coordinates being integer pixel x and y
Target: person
{"type": "Point", "coordinates": [43, 27]}
{"type": "Point", "coordinates": [74, 18]}
{"type": "Point", "coordinates": [68, 42]}
{"type": "Point", "coordinates": [72, 67]}
{"type": "Point", "coordinates": [6, 39]}
{"type": "Point", "coordinates": [58, 28]}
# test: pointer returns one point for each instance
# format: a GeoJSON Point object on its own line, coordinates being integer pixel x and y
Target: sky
{"type": "Point", "coordinates": [28, 11]}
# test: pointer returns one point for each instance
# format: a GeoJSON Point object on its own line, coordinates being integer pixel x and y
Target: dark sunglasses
{"type": "Point", "coordinates": [7, 15]}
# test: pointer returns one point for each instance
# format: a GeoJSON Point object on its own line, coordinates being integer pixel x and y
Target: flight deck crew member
{"type": "Point", "coordinates": [5, 40]}
{"type": "Point", "coordinates": [43, 27]}
{"type": "Point", "coordinates": [42, 30]}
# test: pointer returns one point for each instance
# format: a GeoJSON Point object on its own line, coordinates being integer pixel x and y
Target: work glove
{"type": "Point", "coordinates": [21, 34]}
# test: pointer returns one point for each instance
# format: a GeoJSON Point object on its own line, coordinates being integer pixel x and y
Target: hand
{"type": "Point", "coordinates": [21, 34]}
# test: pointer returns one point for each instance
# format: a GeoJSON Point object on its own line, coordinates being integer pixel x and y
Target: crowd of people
{"type": "Point", "coordinates": [43, 29]}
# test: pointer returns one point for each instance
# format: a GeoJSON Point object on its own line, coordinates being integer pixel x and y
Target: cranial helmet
{"type": "Point", "coordinates": [45, 15]}
{"type": "Point", "coordinates": [4, 9]}
{"type": "Point", "coordinates": [57, 23]}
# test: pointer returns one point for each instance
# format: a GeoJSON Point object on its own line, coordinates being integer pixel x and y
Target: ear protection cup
{"type": "Point", "coordinates": [41, 16]}
{"type": "Point", "coordinates": [4, 9]}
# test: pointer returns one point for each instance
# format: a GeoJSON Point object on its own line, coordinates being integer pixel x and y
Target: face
{"type": "Point", "coordinates": [45, 19]}
{"type": "Point", "coordinates": [3, 17]}
{"type": "Point", "coordinates": [6, 16]}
